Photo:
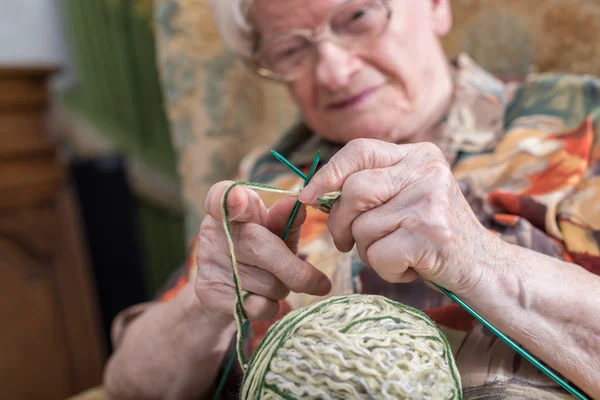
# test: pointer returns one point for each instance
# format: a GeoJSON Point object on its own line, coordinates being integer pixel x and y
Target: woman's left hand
{"type": "Point", "coordinates": [404, 210]}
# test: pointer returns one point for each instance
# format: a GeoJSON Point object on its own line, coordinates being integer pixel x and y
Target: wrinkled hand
{"type": "Point", "coordinates": [267, 266]}
{"type": "Point", "coordinates": [404, 210]}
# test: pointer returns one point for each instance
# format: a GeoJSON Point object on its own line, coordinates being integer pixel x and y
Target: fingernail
{"type": "Point", "coordinates": [324, 285]}
{"type": "Point", "coordinates": [234, 204]}
{"type": "Point", "coordinates": [307, 195]}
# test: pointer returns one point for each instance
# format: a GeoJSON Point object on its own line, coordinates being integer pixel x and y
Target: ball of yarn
{"type": "Point", "coordinates": [353, 347]}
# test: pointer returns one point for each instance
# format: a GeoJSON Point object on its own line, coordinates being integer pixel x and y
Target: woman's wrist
{"type": "Point", "coordinates": [495, 282]}
{"type": "Point", "coordinates": [198, 316]}
{"type": "Point", "coordinates": [522, 287]}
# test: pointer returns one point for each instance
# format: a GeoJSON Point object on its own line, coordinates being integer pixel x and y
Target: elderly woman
{"type": "Point", "coordinates": [447, 176]}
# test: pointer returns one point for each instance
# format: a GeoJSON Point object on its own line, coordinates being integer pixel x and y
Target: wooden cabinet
{"type": "Point", "coordinates": [50, 346]}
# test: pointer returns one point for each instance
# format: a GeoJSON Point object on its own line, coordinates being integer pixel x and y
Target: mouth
{"type": "Point", "coordinates": [352, 101]}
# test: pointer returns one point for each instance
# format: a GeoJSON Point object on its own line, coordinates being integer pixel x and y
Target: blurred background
{"type": "Point", "coordinates": [116, 116]}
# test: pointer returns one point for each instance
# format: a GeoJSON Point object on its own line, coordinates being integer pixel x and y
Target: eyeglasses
{"type": "Point", "coordinates": [352, 24]}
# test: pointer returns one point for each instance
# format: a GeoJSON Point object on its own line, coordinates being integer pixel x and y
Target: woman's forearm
{"type": "Point", "coordinates": [172, 351]}
{"type": "Point", "coordinates": [551, 307]}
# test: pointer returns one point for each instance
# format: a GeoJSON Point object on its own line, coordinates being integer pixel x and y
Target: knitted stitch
{"type": "Point", "coordinates": [353, 347]}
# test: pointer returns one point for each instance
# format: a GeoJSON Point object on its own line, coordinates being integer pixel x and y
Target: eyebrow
{"type": "Point", "coordinates": [320, 22]}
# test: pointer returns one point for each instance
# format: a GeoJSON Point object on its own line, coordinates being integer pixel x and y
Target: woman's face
{"type": "Point", "coordinates": [394, 89]}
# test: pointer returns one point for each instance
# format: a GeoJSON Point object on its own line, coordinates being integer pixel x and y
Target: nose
{"type": "Point", "coordinates": [335, 66]}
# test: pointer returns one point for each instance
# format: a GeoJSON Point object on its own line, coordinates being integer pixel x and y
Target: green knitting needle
{"type": "Point", "coordinates": [512, 344]}
{"type": "Point", "coordinates": [288, 164]}
{"type": "Point", "coordinates": [306, 178]}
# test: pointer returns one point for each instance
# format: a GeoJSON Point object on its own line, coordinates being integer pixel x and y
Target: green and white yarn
{"type": "Point", "coordinates": [353, 347]}
{"type": "Point", "coordinates": [345, 347]}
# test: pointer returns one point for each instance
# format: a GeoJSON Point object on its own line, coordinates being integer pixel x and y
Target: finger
{"type": "Point", "coordinates": [220, 298]}
{"type": "Point", "coordinates": [382, 221]}
{"type": "Point", "coordinates": [357, 155]}
{"type": "Point", "coordinates": [260, 282]}
{"type": "Point", "coordinates": [279, 215]}
{"type": "Point", "coordinates": [382, 183]}
{"type": "Point", "coordinates": [394, 256]}
{"type": "Point", "coordinates": [243, 204]}
{"type": "Point", "coordinates": [215, 266]}
{"type": "Point", "coordinates": [259, 308]}
{"type": "Point", "coordinates": [258, 246]}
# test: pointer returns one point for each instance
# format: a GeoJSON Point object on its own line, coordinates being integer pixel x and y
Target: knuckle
{"type": "Point", "coordinates": [444, 234]}
{"type": "Point", "coordinates": [207, 224]}
{"type": "Point", "coordinates": [440, 167]}
{"type": "Point", "coordinates": [249, 242]}
{"type": "Point", "coordinates": [262, 309]}
{"type": "Point", "coordinates": [335, 177]}
{"type": "Point", "coordinates": [351, 189]}
{"type": "Point", "coordinates": [363, 149]}
{"type": "Point", "coordinates": [356, 193]}
{"type": "Point", "coordinates": [352, 152]}
{"type": "Point", "coordinates": [274, 262]}
{"type": "Point", "coordinates": [358, 145]}
{"type": "Point", "coordinates": [431, 149]}
{"type": "Point", "coordinates": [435, 207]}
{"type": "Point", "coordinates": [281, 291]}
{"type": "Point", "coordinates": [440, 172]}
{"type": "Point", "coordinates": [208, 291]}
{"type": "Point", "coordinates": [298, 279]}
{"type": "Point", "coordinates": [353, 184]}
{"type": "Point", "coordinates": [438, 162]}
{"type": "Point", "coordinates": [429, 199]}
{"type": "Point", "coordinates": [209, 239]}
{"type": "Point", "coordinates": [269, 283]}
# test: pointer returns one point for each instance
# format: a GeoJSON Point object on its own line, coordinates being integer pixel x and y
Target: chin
{"type": "Point", "coordinates": [368, 127]}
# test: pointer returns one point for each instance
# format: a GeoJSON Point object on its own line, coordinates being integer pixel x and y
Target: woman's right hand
{"type": "Point", "coordinates": [268, 267]}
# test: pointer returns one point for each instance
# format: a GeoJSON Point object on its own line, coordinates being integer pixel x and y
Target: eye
{"type": "Point", "coordinates": [286, 53]}
{"type": "Point", "coordinates": [358, 14]}
{"type": "Point", "coordinates": [289, 52]}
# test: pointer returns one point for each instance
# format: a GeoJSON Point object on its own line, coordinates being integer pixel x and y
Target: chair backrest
{"type": "Point", "coordinates": [218, 109]}
{"type": "Point", "coordinates": [511, 38]}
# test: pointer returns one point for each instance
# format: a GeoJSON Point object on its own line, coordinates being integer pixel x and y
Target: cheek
{"type": "Point", "coordinates": [302, 92]}
{"type": "Point", "coordinates": [408, 64]}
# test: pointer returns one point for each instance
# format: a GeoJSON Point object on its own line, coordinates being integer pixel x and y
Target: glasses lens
{"type": "Point", "coordinates": [286, 55]}
{"type": "Point", "coordinates": [354, 23]}
{"type": "Point", "coordinates": [360, 21]}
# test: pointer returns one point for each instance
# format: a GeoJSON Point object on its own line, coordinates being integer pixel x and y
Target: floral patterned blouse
{"type": "Point", "coordinates": [527, 158]}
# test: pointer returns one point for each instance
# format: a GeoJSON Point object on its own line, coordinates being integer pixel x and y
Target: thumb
{"type": "Point", "coordinates": [243, 204]}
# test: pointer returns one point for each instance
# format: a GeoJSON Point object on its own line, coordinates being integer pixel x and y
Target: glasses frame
{"type": "Point", "coordinates": [326, 34]}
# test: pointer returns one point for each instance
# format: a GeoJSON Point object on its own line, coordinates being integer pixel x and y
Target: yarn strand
{"type": "Point", "coordinates": [239, 311]}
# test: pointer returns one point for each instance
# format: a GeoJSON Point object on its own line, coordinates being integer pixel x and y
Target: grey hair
{"type": "Point", "coordinates": [234, 25]}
